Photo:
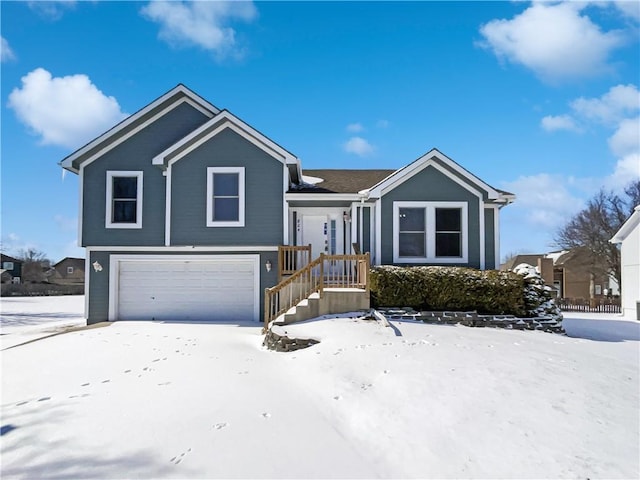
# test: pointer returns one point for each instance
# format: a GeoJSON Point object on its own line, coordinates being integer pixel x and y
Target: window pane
{"type": "Point", "coordinates": [225, 184]}
{"type": "Point", "coordinates": [448, 220]}
{"type": "Point", "coordinates": [125, 187]}
{"type": "Point", "coordinates": [124, 211]}
{"type": "Point", "coordinates": [448, 245]}
{"type": "Point", "coordinates": [411, 245]}
{"type": "Point", "coordinates": [226, 209]}
{"type": "Point", "coordinates": [412, 219]}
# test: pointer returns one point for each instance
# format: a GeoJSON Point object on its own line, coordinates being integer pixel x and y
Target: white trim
{"type": "Point", "coordinates": [483, 238]}
{"type": "Point", "coordinates": [430, 232]}
{"type": "Point", "coordinates": [227, 120]}
{"type": "Point", "coordinates": [186, 248]}
{"type": "Point", "coordinates": [87, 282]}
{"type": "Point", "coordinates": [211, 171]}
{"type": "Point", "coordinates": [378, 258]}
{"type": "Point", "coordinates": [323, 197]}
{"type": "Point", "coordinates": [167, 208]}
{"type": "Point", "coordinates": [80, 204]}
{"type": "Point", "coordinates": [192, 98]}
{"type": "Point", "coordinates": [285, 206]}
{"type": "Point", "coordinates": [627, 227]}
{"type": "Point", "coordinates": [138, 174]}
{"type": "Point", "coordinates": [114, 268]}
{"type": "Point", "coordinates": [423, 162]}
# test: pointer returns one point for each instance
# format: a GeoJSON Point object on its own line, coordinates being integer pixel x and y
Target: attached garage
{"type": "Point", "coordinates": [202, 288]}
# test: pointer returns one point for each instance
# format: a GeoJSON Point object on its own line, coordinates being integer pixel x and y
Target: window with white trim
{"type": "Point", "coordinates": [124, 199]}
{"type": "Point", "coordinates": [225, 197]}
{"type": "Point", "coordinates": [69, 270]}
{"type": "Point", "coordinates": [430, 232]}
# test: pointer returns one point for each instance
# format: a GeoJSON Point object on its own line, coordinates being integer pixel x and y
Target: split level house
{"type": "Point", "coordinates": [187, 212]}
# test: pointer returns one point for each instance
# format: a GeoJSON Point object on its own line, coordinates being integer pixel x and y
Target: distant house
{"type": "Point", "coordinates": [572, 273]}
{"type": "Point", "coordinates": [68, 271]}
{"type": "Point", "coordinates": [629, 239]}
{"type": "Point", "coordinates": [11, 269]}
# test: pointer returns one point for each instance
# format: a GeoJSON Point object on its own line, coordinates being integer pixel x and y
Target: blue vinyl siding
{"type": "Point", "coordinates": [264, 194]}
{"type": "Point", "coordinates": [135, 154]}
{"type": "Point", "coordinates": [491, 262]}
{"type": "Point", "coordinates": [430, 185]}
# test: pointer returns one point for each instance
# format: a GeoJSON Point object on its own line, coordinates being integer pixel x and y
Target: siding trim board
{"type": "Point", "coordinates": [67, 163]}
{"type": "Point", "coordinates": [429, 159]}
{"type": "Point", "coordinates": [185, 248]}
{"type": "Point", "coordinates": [199, 136]}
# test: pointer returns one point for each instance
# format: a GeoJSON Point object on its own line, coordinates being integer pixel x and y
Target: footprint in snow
{"type": "Point", "coordinates": [22, 403]}
{"type": "Point", "coordinates": [43, 399]}
{"type": "Point", "coordinates": [106, 381]}
{"type": "Point", "coordinates": [338, 397]}
{"type": "Point", "coordinates": [220, 426]}
{"type": "Point", "coordinates": [243, 372]}
{"type": "Point", "coordinates": [266, 415]}
{"type": "Point", "coordinates": [127, 371]}
{"type": "Point", "coordinates": [366, 386]}
{"type": "Point", "coordinates": [178, 458]}
{"type": "Point", "coordinates": [163, 384]}
{"type": "Point", "coordinates": [85, 384]}
{"type": "Point", "coordinates": [386, 372]}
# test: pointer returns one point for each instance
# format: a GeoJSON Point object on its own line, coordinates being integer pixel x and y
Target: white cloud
{"type": "Point", "coordinates": [355, 127]}
{"type": "Point", "coordinates": [629, 8]}
{"type": "Point", "coordinates": [554, 40]}
{"type": "Point", "coordinates": [52, 9]}
{"type": "Point", "coordinates": [559, 122]}
{"type": "Point", "coordinates": [616, 109]}
{"type": "Point", "coordinates": [382, 123]}
{"type": "Point", "coordinates": [626, 139]}
{"type": "Point", "coordinates": [619, 102]}
{"type": "Point", "coordinates": [545, 200]}
{"type": "Point", "coordinates": [627, 169]}
{"type": "Point", "coordinates": [202, 23]}
{"type": "Point", "coordinates": [6, 53]}
{"type": "Point", "coordinates": [359, 146]}
{"type": "Point", "coordinates": [66, 111]}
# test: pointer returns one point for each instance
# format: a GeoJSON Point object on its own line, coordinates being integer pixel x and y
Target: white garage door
{"type": "Point", "coordinates": [195, 289]}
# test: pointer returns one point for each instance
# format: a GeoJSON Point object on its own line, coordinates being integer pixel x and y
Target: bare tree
{"type": "Point", "coordinates": [34, 264]}
{"type": "Point", "coordinates": [596, 224]}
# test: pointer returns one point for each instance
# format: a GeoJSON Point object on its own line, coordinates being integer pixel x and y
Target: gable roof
{"type": "Point", "coordinates": [72, 259]}
{"type": "Point", "coordinates": [133, 123]}
{"type": "Point", "coordinates": [449, 168]}
{"type": "Point", "coordinates": [339, 181]}
{"type": "Point", "coordinates": [7, 258]}
{"type": "Point", "coordinates": [627, 227]}
{"type": "Point", "coordinates": [223, 120]}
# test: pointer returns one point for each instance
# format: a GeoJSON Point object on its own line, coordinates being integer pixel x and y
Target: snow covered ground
{"type": "Point", "coordinates": [161, 400]}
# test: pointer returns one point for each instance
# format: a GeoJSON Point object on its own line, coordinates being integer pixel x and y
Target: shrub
{"type": "Point", "coordinates": [448, 288]}
{"type": "Point", "coordinates": [538, 301]}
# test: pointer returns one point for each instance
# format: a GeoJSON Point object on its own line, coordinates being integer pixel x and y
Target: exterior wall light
{"type": "Point", "coordinates": [96, 266]}
{"type": "Point", "coordinates": [268, 265]}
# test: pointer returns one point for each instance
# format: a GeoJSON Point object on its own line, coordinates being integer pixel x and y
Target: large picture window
{"type": "Point", "coordinates": [225, 197]}
{"type": "Point", "coordinates": [430, 232]}
{"type": "Point", "coordinates": [124, 199]}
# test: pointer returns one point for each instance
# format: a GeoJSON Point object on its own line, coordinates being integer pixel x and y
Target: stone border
{"type": "Point", "coordinates": [473, 319]}
{"type": "Point", "coordinates": [283, 343]}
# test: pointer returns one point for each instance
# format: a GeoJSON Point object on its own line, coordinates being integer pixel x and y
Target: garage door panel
{"type": "Point", "coordinates": [192, 290]}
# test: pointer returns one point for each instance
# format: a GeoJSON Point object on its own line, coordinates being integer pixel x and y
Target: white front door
{"type": "Point", "coordinates": [315, 232]}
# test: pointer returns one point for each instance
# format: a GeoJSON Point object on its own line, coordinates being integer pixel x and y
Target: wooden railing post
{"type": "Point", "coordinates": [321, 283]}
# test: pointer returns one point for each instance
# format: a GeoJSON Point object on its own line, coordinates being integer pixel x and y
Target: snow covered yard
{"type": "Point", "coordinates": [161, 400]}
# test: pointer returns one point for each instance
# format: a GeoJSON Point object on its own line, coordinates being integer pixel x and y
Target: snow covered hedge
{"type": "Point", "coordinates": [448, 288]}
{"type": "Point", "coordinates": [521, 293]}
{"type": "Point", "coordinates": [538, 300]}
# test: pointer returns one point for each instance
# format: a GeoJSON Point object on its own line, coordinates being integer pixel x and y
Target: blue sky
{"type": "Point", "coordinates": [537, 98]}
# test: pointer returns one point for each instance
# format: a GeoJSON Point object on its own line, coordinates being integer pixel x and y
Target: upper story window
{"type": "Point", "coordinates": [225, 197]}
{"type": "Point", "coordinates": [430, 232]}
{"type": "Point", "coordinates": [69, 270]}
{"type": "Point", "coordinates": [124, 199]}
{"type": "Point", "coordinates": [7, 265]}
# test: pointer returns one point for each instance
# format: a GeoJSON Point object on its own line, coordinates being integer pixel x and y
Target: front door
{"type": "Point", "coordinates": [315, 232]}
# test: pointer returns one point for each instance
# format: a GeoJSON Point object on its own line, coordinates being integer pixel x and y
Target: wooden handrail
{"type": "Point", "coordinates": [292, 258]}
{"type": "Point", "coordinates": [326, 271]}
